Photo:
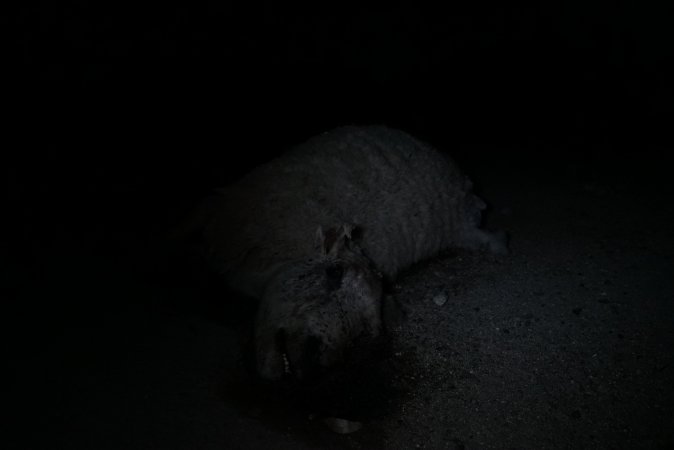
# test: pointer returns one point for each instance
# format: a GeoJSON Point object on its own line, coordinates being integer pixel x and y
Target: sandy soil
{"type": "Point", "coordinates": [565, 343]}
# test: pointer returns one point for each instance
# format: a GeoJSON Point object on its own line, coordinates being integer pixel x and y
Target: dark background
{"type": "Point", "coordinates": [149, 88]}
{"type": "Point", "coordinates": [123, 115]}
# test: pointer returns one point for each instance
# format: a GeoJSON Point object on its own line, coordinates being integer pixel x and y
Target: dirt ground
{"type": "Point", "coordinates": [565, 343]}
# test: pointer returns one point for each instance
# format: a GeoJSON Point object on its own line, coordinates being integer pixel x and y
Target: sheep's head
{"type": "Point", "coordinates": [316, 310]}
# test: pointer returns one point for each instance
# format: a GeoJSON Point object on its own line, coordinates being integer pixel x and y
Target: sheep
{"type": "Point", "coordinates": [314, 233]}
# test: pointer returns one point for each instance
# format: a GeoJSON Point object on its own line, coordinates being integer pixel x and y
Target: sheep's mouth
{"type": "Point", "coordinates": [303, 363]}
{"type": "Point", "coordinates": [281, 347]}
{"type": "Point", "coordinates": [286, 364]}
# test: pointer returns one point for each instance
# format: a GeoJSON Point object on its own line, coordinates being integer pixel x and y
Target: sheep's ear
{"type": "Point", "coordinates": [333, 240]}
{"type": "Point", "coordinates": [345, 230]}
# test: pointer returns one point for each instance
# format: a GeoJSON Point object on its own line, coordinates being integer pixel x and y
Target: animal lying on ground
{"type": "Point", "coordinates": [313, 233]}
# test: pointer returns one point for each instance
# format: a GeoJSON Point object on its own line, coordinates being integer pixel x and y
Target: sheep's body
{"type": "Point", "coordinates": [407, 201]}
{"type": "Point", "coordinates": [410, 201]}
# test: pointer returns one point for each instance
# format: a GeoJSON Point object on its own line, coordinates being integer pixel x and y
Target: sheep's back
{"type": "Point", "coordinates": [409, 201]}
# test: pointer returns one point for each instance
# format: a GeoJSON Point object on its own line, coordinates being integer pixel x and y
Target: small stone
{"type": "Point", "coordinates": [342, 426]}
{"type": "Point", "coordinates": [440, 299]}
